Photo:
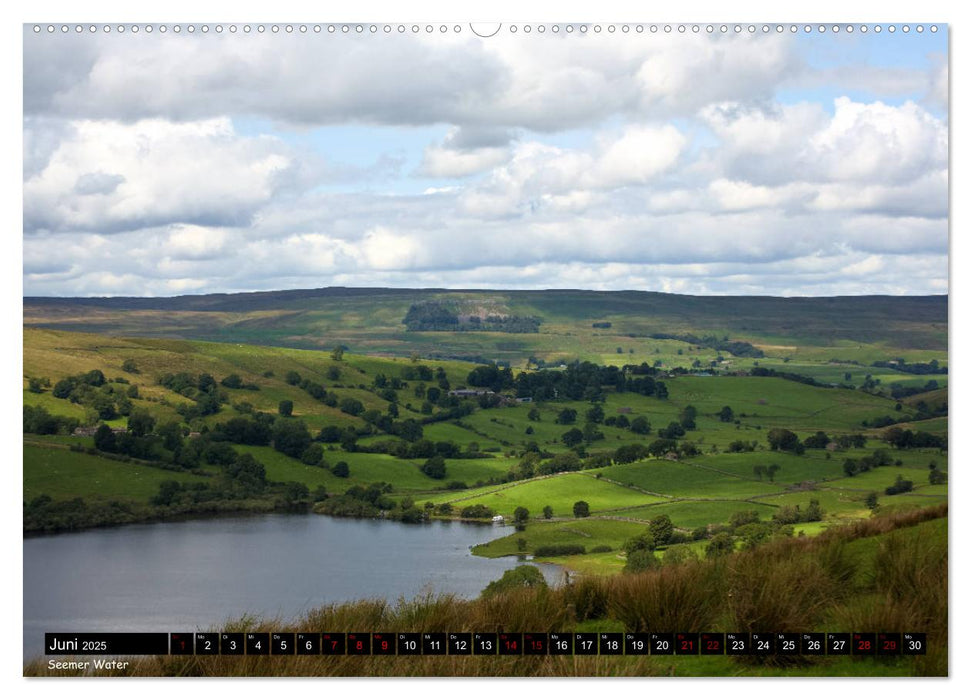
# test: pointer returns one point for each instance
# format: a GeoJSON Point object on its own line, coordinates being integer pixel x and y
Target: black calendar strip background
{"type": "Point", "coordinates": [485, 643]}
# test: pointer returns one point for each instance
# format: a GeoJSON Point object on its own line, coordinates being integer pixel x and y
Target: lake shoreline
{"type": "Point", "coordinates": [233, 512]}
{"type": "Point", "coordinates": [199, 573]}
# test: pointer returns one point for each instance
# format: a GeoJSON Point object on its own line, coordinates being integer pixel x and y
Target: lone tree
{"type": "Point", "coordinates": [645, 540]}
{"type": "Point", "coordinates": [337, 354]}
{"type": "Point", "coordinates": [662, 529]}
{"type": "Point", "coordinates": [595, 414]}
{"type": "Point", "coordinates": [814, 513]}
{"type": "Point", "coordinates": [342, 470]}
{"type": "Point", "coordinates": [720, 545]}
{"type": "Point", "coordinates": [726, 415]}
{"type": "Point", "coordinates": [785, 440]}
{"type": "Point", "coordinates": [434, 467]}
{"type": "Point", "coordinates": [771, 471]}
{"type": "Point", "coordinates": [572, 437]}
{"type": "Point", "coordinates": [291, 437]}
{"type": "Point", "coordinates": [520, 517]}
{"type": "Point", "coordinates": [871, 500]}
{"type": "Point", "coordinates": [687, 417]}
{"type": "Point", "coordinates": [641, 560]}
{"type": "Point", "coordinates": [581, 509]}
{"type": "Point", "coordinates": [286, 407]}
{"type": "Point", "coordinates": [547, 512]}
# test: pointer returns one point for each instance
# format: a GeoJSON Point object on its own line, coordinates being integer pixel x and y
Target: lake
{"type": "Point", "coordinates": [197, 574]}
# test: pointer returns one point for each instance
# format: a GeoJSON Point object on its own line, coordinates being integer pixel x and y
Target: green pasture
{"type": "Point", "coordinates": [62, 474]}
{"type": "Point", "coordinates": [674, 479]}
{"type": "Point", "coordinates": [560, 492]}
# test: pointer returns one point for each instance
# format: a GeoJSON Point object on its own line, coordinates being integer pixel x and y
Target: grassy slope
{"type": "Point", "coordinates": [369, 321]}
{"type": "Point", "coordinates": [63, 474]}
{"type": "Point", "coordinates": [701, 490]}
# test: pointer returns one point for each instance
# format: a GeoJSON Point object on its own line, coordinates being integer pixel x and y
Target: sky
{"type": "Point", "coordinates": [753, 163]}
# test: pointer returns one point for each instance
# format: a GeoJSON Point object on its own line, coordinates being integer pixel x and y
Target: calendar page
{"type": "Point", "coordinates": [448, 349]}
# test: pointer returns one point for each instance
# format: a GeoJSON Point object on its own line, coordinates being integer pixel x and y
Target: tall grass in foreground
{"type": "Point", "coordinates": [880, 575]}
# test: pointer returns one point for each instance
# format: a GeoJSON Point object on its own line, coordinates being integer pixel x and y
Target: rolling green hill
{"type": "Point", "coordinates": [494, 456]}
{"type": "Point", "coordinates": [631, 326]}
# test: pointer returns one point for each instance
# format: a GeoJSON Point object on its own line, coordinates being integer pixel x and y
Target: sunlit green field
{"type": "Point", "coordinates": [60, 473]}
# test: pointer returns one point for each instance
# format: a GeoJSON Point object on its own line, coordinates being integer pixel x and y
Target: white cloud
{"type": "Point", "coordinates": [878, 142]}
{"type": "Point", "coordinates": [188, 242]}
{"type": "Point", "coordinates": [448, 162]}
{"type": "Point", "coordinates": [638, 161]}
{"type": "Point", "coordinates": [109, 176]}
{"type": "Point", "coordinates": [861, 142]}
{"type": "Point", "coordinates": [538, 173]}
{"type": "Point", "coordinates": [384, 249]}
{"type": "Point", "coordinates": [687, 73]}
{"type": "Point", "coordinates": [537, 82]}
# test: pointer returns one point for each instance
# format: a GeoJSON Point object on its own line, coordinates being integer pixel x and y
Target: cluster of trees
{"type": "Point", "coordinates": [234, 381]}
{"type": "Point", "coordinates": [905, 439]}
{"type": "Point", "coordinates": [742, 446]}
{"type": "Point", "coordinates": [36, 385]}
{"type": "Point", "coordinates": [738, 348]}
{"type": "Point", "coordinates": [39, 421]}
{"type": "Point", "coordinates": [932, 367]}
{"type": "Point", "coordinates": [747, 528]}
{"type": "Point", "coordinates": [879, 458]}
{"type": "Point", "coordinates": [423, 373]}
{"type": "Point", "coordinates": [899, 391]}
{"type": "Point", "coordinates": [477, 511]}
{"type": "Point", "coordinates": [640, 548]}
{"type": "Point", "coordinates": [820, 441]}
{"type": "Point", "coordinates": [63, 388]}
{"type": "Point", "coordinates": [790, 515]}
{"type": "Point", "coordinates": [791, 376]}
{"type": "Point", "coordinates": [44, 514]}
{"type": "Point", "coordinates": [817, 441]}
{"type": "Point", "coordinates": [761, 470]}
{"type": "Point", "coordinates": [314, 389]}
{"type": "Point", "coordinates": [579, 381]}
{"type": "Point", "coordinates": [491, 376]}
{"type": "Point", "coordinates": [783, 440]}
{"type": "Point", "coordinates": [242, 477]}
{"type": "Point", "coordinates": [202, 389]}
{"type": "Point", "coordinates": [437, 316]}
{"type": "Point", "coordinates": [371, 502]}
{"type": "Point", "coordinates": [137, 441]}
{"type": "Point", "coordinates": [92, 390]}
{"type": "Point", "coordinates": [536, 463]}
{"type": "Point", "coordinates": [900, 485]}
{"type": "Point", "coordinates": [640, 425]}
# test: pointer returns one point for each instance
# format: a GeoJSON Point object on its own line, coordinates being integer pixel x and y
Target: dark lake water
{"type": "Point", "coordinates": [183, 576]}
